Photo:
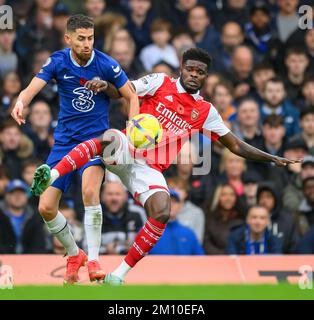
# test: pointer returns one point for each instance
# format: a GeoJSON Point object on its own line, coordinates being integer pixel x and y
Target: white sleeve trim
{"type": "Point", "coordinates": [214, 123]}
{"type": "Point", "coordinates": [149, 84]}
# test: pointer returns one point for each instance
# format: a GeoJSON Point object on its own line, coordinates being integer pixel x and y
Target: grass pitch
{"type": "Point", "coordinates": [159, 292]}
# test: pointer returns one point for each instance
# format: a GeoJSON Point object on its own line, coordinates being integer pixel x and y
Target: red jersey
{"type": "Point", "coordinates": [181, 114]}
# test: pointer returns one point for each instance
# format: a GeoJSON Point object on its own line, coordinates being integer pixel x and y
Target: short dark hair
{"type": "Point", "coordinates": [275, 80]}
{"type": "Point", "coordinates": [160, 25]}
{"type": "Point", "coordinates": [308, 79]}
{"type": "Point", "coordinates": [264, 65]}
{"type": "Point", "coordinates": [306, 110]}
{"type": "Point", "coordinates": [273, 120]}
{"type": "Point", "coordinates": [197, 54]}
{"type": "Point", "coordinates": [296, 50]}
{"type": "Point", "coordinates": [79, 21]}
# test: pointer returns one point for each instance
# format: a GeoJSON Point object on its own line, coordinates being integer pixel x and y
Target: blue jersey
{"type": "Point", "coordinates": [83, 115]}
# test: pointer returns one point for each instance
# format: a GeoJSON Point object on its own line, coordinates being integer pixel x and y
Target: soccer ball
{"type": "Point", "coordinates": [144, 131]}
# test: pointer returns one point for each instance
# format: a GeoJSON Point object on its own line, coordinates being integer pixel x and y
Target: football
{"type": "Point", "coordinates": [144, 131]}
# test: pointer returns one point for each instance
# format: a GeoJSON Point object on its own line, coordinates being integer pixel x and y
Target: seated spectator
{"type": "Point", "coordinates": [204, 34]}
{"type": "Point", "coordinates": [188, 214]}
{"type": "Point", "coordinates": [305, 215]}
{"type": "Point", "coordinates": [287, 19]}
{"type": "Point", "coordinates": [94, 8]}
{"type": "Point", "coordinates": [160, 49]}
{"type": "Point", "coordinates": [10, 89]}
{"type": "Point", "coordinates": [124, 52]}
{"type": "Point", "coordinates": [120, 225]}
{"type": "Point", "coordinates": [276, 103]}
{"type": "Point", "coordinates": [261, 73]}
{"type": "Point", "coordinates": [178, 12]}
{"type": "Point", "coordinates": [293, 195]}
{"type": "Point", "coordinates": [61, 14]}
{"type": "Point", "coordinates": [21, 228]}
{"type": "Point", "coordinates": [232, 10]}
{"type": "Point", "coordinates": [225, 212]}
{"type": "Point", "coordinates": [231, 37]}
{"type": "Point", "coordinates": [308, 92]}
{"type": "Point", "coordinates": [140, 17]}
{"type": "Point", "coordinates": [29, 167]}
{"type": "Point", "coordinates": [273, 135]}
{"type": "Point", "coordinates": [223, 101]}
{"type": "Point", "coordinates": [306, 244]}
{"type": "Point", "coordinates": [39, 128]}
{"type": "Point", "coordinates": [240, 71]}
{"type": "Point", "coordinates": [282, 224]}
{"type": "Point", "coordinates": [8, 58]}
{"type": "Point", "coordinates": [106, 28]}
{"type": "Point", "coordinates": [212, 80]}
{"type": "Point", "coordinates": [164, 67]}
{"type": "Point", "coordinates": [182, 40]}
{"type": "Point", "coordinates": [246, 126]}
{"type": "Point", "coordinates": [185, 164]}
{"type": "Point", "coordinates": [232, 167]}
{"type": "Point", "coordinates": [4, 180]}
{"type": "Point", "coordinates": [309, 45]}
{"type": "Point", "coordinates": [254, 238]}
{"type": "Point", "coordinates": [296, 62]}
{"type": "Point", "coordinates": [251, 180]}
{"type": "Point", "coordinates": [177, 239]}
{"type": "Point", "coordinates": [14, 147]}
{"type": "Point", "coordinates": [258, 30]}
{"type": "Point", "coordinates": [307, 125]}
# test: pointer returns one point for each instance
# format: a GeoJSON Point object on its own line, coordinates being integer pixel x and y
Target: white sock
{"type": "Point", "coordinates": [93, 224]}
{"type": "Point", "coordinates": [60, 229]}
{"type": "Point", "coordinates": [54, 175]}
{"type": "Point", "coordinates": [122, 270]}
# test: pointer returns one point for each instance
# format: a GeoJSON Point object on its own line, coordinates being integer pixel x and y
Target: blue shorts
{"type": "Point", "coordinates": [56, 154]}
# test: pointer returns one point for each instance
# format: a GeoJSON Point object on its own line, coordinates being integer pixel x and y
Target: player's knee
{"type": "Point", "coordinates": [161, 211]}
{"type": "Point", "coordinates": [47, 211]}
{"type": "Point", "coordinates": [90, 195]}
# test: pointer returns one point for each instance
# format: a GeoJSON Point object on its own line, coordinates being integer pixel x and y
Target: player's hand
{"type": "Point", "coordinates": [17, 113]}
{"type": "Point", "coordinates": [283, 162]}
{"type": "Point", "coordinates": [96, 85]}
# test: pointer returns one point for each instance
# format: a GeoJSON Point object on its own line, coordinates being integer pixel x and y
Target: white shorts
{"type": "Point", "coordinates": [141, 180]}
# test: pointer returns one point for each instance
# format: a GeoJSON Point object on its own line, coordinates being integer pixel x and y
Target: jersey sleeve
{"type": "Point", "coordinates": [116, 75]}
{"type": "Point", "coordinates": [149, 84]}
{"type": "Point", "coordinates": [215, 124]}
{"type": "Point", "coordinates": [47, 71]}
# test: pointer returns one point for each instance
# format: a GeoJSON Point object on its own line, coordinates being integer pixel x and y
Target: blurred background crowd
{"type": "Point", "coordinates": [261, 82]}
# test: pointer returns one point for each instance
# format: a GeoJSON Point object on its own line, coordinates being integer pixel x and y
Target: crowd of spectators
{"type": "Point", "coordinates": [261, 82]}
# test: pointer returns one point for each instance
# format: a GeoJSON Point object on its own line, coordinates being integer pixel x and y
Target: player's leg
{"type": "Point", "coordinates": [92, 179]}
{"type": "Point", "coordinates": [158, 209]}
{"type": "Point", "coordinates": [74, 160]}
{"type": "Point", "coordinates": [58, 227]}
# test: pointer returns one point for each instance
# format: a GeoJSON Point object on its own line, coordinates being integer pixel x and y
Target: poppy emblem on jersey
{"type": "Point", "coordinates": [82, 81]}
{"type": "Point", "coordinates": [194, 114]}
{"type": "Point", "coordinates": [180, 109]}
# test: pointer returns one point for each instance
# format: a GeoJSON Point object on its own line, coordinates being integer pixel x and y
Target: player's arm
{"type": "Point", "coordinates": [128, 92]}
{"type": "Point", "coordinates": [243, 149]}
{"type": "Point", "coordinates": [25, 97]}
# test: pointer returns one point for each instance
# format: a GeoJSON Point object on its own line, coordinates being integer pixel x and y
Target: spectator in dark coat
{"type": "Point", "coordinates": [305, 215]}
{"type": "Point", "coordinates": [121, 224]}
{"type": "Point", "coordinates": [205, 35]}
{"type": "Point", "coordinates": [21, 229]}
{"type": "Point", "coordinates": [254, 238]}
{"type": "Point", "coordinates": [282, 223]}
{"type": "Point", "coordinates": [306, 244]}
{"type": "Point", "coordinates": [223, 213]}
{"type": "Point", "coordinates": [276, 103]}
